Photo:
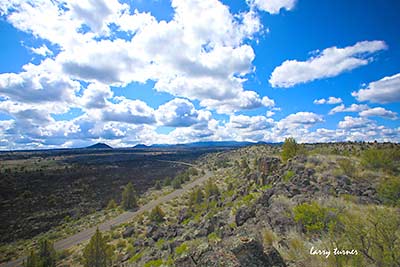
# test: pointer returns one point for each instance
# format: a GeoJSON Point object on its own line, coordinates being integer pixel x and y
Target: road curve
{"type": "Point", "coordinates": [122, 218]}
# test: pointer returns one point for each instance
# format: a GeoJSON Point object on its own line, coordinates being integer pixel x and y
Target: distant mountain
{"type": "Point", "coordinates": [218, 144]}
{"type": "Point", "coordinates": [141, 146]}
{"type": "Point", "coordinates": [99, 146]}
{"type": "Point", "coordinates": [201, 144]}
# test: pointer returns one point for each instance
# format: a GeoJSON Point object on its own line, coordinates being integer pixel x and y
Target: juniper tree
{"type": "Point", "coordinates": [157, 215]}
{"type": "Point", "coordinates": [111, 204]}
{"type": "Point", "coordinates": [290, 149]}
{"type": "Point", "coordinates": [45, 257]}
{"type": "Point", "coordinates": [211, 189]}
{"type": "Point", "coordinates": [97, 253]}
{"type": "Point", "coordinates": [167, 181]}
{"type": "Point", "coordinates": [129, 197]}
{"type": "Point", "coordinates": [157, 186]}
{"type": "Point", "coordinates": [176, 183]}
{"type": "Point", "coordinates": [196, 197]}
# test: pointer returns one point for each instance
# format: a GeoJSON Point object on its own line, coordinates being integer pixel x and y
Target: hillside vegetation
{"type": "Point", "coordinates": [272, 206]}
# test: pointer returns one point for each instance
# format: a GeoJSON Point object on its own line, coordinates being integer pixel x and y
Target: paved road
{"type": "Point", "coordinates": [179, 162]}
{"type": "Point", "coordinates": [122, 218]}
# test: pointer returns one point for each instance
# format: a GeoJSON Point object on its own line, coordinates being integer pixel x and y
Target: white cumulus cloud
{"type": "Point", "coordinates": [386, 90]}
{"type": "Point", "coordinates": [331, 100]}
{"type": "Point", "coordinates": [43, 51]}
{"type": "Point", "coordinates": [273, 6]}
{"type": "Point", "coordinates": [181, 113]}
{"type": "Point", "coordinates": [329, 63]}
{"type": "Point", "coordinates": [354, 123]}
{"type": "Point", "coordinates": [351, 108]}
{"type": "Point", "coordinates": [306, 119]}
{"type": "Point", "coordinates": [379, 112]}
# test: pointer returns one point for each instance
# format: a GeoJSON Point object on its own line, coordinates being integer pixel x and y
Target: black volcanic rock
{"type": "Point", "coordinates": [99, 146]}
{"type": "Point", "coordinates": [243, 214]}
{"type": "Point", "coordinates": [250, 253]}
{"type": "Point", "coordinates": [128, 232]}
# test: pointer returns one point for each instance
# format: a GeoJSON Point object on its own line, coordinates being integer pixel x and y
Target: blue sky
{"type": "Point", "coordinates": [126, 72]}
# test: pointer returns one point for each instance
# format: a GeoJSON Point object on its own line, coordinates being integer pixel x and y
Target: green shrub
{"type": "Point", "coordinates": [213, 238]}
{"type": "Point", "coordinates": [389, 191]}
{"type": "Point", "coordinates": [268, 238]}
{"type": "Point", "coordinates": [182, 249]}
{"type": "Point", "coordinates": [230, 187]}
{"type": "Point", "coordinates": [157, 215]}
{"type": "Point", "coordinates": [290, 148]}
{"type": "Point", "coordinates": [349, 198]}
{"type": "Point", "coordinates": [380, 159]}
{"type": "Point", "coordinates": [246, 200]}
{"type": "Point", "coordinates": [129, 197]}
{"type": "Point", "coordinates": [312, 216]}
{"type": "Point", "coordinates": [211, 189]}
{"type": "Point", "coordinates": [288, 175]}
{"type": "Point", "coordinates": [63, 254]}
{"type": "Point", "coordinates": [347, 167]}
{"type": "Point", "coordinates": [160, 243]}
{"type": "Point", "coordinates": [136, 257]}
{"type": "Point", "coordinates": [176, 183]}
{"type": "Point", "coordinates": [375, 233]}
{"type": "Point", "coordinates": [243, 164]}
{"type": "Point", "coordinates": [196, 197]}
{"type": "Point", "coordinates": [157, 185]}
{"type": "Point", "coordinates": [130, 249]}
{"type": "Point", "coordinates": [167, 181]}
{"type": "Point", "coordinates": [46, 256]}
{"type": "Point", "coordinates": [121, 243]}
{"type": "Point", "coordinates": [111, 204]}
{"type": "Point", "coordinates": [183, 176]}
{"type": "Point", "coordinates": [193, 171]}
{"type": "Point", "coordinates": [154, 263]}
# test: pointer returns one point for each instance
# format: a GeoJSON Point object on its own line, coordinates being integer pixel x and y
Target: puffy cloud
{"type": "Point", "coordinates": [31, 96]}
{"type": "Point", "coordinates": [96, 95]}
{"type": "Point", "coordinates": [250, 123]}
{"type": "Point", "coordinates": [244, 100]}
{"type": "Point", "coordinates": [306, 119]}
{"type": "Point", "coordinates": [96, 14]}
{"type": "Point", "coordinates": [352, 108]}
{"type": "Point", "coordinates": [270, 113]}
{"type": "Point", "coordinates": [129, 111]}
{"type": "Point", "coordinates": [135, 22]}
{"type": "Point", "coordinates": [295, 125]}
{"type": "Point", "coordinates": [331, 100]}
{"type": "Point", "coordinates": [354, 123]}
{"type": "Point", "coordinates": [215, 24]}
{"type": "Point", "coordinates": [386, 90]}
{"type": "Point", "coordinates": [320, 101]}
{"type": "Point", "coordinates": [38, 84]}
{"type": "Point", "coordinates": [369, 133]}
{"type": "Point", "coordinates": [48, 20]}
{"type": "Point", "coordinates": [181, 113]}
{"type": "Point", "coordinates": [205, 61]}
{"type": "Point", "coordinates": [324, 135]}
{"type": "Point", "coordinates": [379, 112]}
{"type": "Point", "coordinates": [43, 51]}
{"type": "Point", "coordinates": [110, 62]}
{"type": "Point", "coordinates": [329, 63]}
{"type": "Point", "coordinates": [273, 6]}
{"type": "Point", "coordinates": [266, 101]}
{"type": "Point", "coordinates": [243, 128]}
{"type": "Point", "coordinates": [190, 134]}
{"type": "Point", "coordinates": [27, 114]}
